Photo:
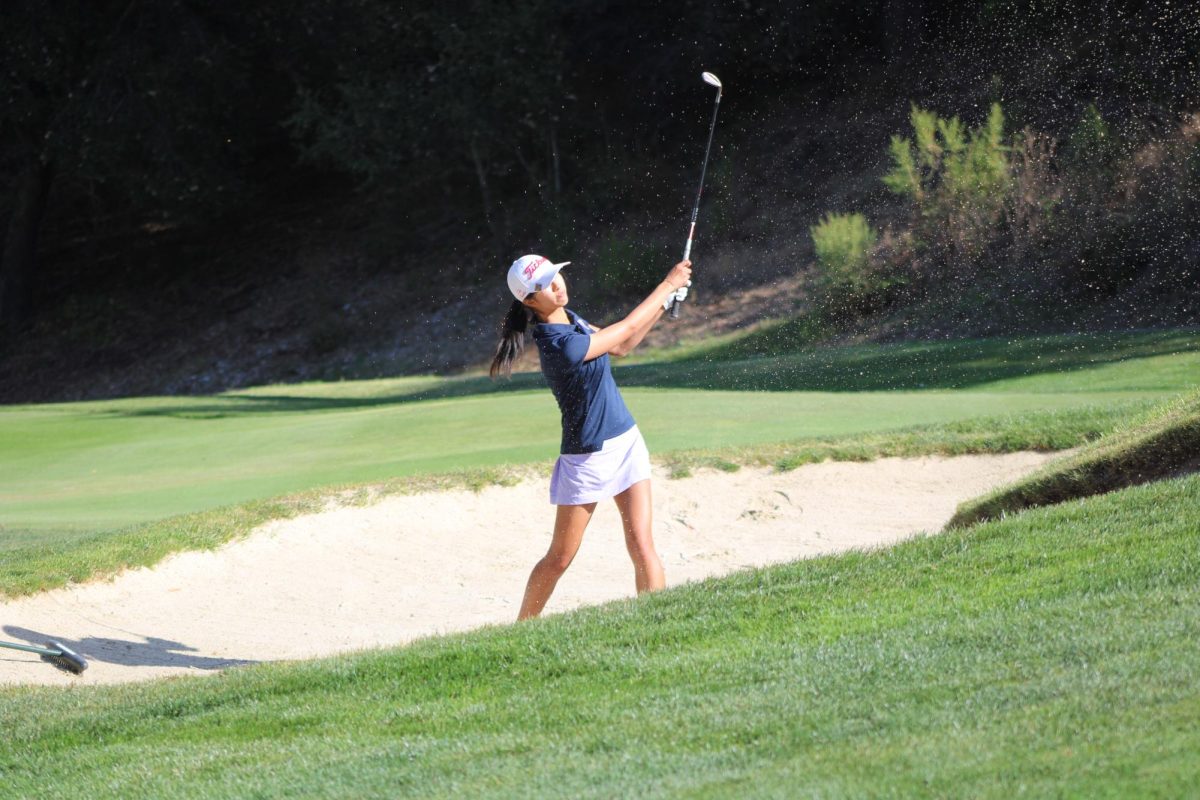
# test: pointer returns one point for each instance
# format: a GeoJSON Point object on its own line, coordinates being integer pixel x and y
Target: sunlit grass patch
{"type": "Point", "coordinates": [1039, 431]}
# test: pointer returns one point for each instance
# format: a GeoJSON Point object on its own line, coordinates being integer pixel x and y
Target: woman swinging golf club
{"type": "Point", "coordinates": [602, 454]}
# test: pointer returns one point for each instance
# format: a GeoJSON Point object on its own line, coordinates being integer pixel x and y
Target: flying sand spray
{"type": "Point", "coordinates": [711, 80]}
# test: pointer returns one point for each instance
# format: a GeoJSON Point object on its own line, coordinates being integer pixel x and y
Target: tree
{"type": "Point", "coordinates": [466, 93]}
{"type": "Point", "coordinates": [107, 105]}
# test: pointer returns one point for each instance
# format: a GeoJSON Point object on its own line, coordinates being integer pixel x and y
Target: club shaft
{"type": "Point", "coordinates": [712, 127]}
{"type": "Point", "coordinates": [687, 249]}
{"type": "Point", "coordinates": [45, 651]}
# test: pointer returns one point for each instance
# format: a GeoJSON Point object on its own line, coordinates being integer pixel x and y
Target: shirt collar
{"type": "Point", "coordinates": [576, 321]}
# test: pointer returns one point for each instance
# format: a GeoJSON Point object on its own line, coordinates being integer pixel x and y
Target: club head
{"type": "Point", "coordinates": [710, 79]}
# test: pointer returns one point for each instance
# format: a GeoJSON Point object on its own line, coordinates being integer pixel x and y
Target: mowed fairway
{"type": "Point", "coordinates": [70, 472]}
{"type": "Point", "coordinates": [98, 466]}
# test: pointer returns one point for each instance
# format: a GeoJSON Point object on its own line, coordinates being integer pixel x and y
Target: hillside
{"type": "Point", "coordinates": [325, 273]}
{"type": "Point", "coordinates": [313, 291]}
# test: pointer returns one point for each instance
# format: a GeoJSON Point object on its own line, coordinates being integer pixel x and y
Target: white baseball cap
{"type": "Point", "coordinates": [529, 274]}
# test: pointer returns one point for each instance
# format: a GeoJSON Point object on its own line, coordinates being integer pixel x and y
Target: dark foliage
{"type": "Point", "coordinates": [131, 130]}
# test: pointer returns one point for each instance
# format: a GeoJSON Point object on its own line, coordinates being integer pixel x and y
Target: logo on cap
{"type": "Point", "coordinates": [532, 266]}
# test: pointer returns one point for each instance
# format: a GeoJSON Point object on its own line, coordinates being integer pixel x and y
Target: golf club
{"type": "Point", "coordinates": [711, 80]}
{"type": "Point", "coordinates": [56, 653]}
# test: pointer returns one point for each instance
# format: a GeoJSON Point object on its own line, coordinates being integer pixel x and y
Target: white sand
{"type": "Point", "coordinates": [414, 566]}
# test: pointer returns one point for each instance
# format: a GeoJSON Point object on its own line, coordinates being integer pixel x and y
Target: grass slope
{"type": "Point", "coordinates": [1164, 443]}
{"type": "Point", "coordinates": [1054, 653]}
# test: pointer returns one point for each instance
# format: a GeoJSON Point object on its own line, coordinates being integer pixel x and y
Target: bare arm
{"type": "Point", "coordinates": [640, 320]}
{"type": "Point", "coordinates": [626, 347]}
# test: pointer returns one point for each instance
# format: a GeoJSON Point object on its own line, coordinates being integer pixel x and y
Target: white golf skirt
{"type": "Point", "coordinates": [582, 478]}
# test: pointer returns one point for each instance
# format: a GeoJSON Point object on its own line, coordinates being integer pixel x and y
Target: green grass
{"type": "Point", "coordinates": [1053, 653]}
{"type": "Point", "coordinates": [1164, 443]}
{"type": "Point", "coordinates": [88, 488]}
{"type": "Point", "coordinates": [770, 359]}
{"type": "Point", "coordinates": [1041, 431]}
{"type": "Point", "coordinates": [102, 466]}
{"type": "Point", "coordinates": [38, 561]}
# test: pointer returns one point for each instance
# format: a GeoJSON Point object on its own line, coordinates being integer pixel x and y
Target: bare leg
{"type": "Point", "coordinates": [637, 517]}
{"type": "Point", "coordinates": [569, 526]}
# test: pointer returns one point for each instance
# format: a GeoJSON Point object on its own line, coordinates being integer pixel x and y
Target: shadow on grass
{"type": "Point", "coordinates": [762, 361]}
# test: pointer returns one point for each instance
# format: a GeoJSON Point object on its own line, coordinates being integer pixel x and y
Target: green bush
{"type": "Point", "coordinates": [958, 180]}
{"type": "Point", "coordinates": [1009, 230]}
{"type": "Point", "coordinates": [844, 244]}
{"type": "Point", "coordinates": [943, 162]}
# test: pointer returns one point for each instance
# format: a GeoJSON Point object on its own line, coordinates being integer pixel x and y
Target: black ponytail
{"type": "Point", "coordinates": [512, 339]}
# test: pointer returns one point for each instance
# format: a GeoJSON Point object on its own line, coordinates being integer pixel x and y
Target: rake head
{"type": "Point", "coordinates": [66, 658]}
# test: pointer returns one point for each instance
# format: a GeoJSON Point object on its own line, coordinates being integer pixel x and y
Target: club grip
{"type": "Point", "coordinates": [687, 253]}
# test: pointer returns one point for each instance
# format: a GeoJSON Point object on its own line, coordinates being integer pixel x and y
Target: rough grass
{"type": "Point", "coordinates": [1160, 444]}
{"type": "Point", "coordinates": [1055, 653]}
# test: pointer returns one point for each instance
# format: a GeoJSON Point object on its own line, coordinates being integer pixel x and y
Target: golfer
{"type": "Point", "coordinates": [603, 454]}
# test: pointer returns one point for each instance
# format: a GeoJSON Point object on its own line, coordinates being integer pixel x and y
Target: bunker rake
{"type": "Point", "coordinates": [56, 653]}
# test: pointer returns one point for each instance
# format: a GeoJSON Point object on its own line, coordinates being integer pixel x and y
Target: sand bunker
{"type": "Point", "coordinates": [414, 566]}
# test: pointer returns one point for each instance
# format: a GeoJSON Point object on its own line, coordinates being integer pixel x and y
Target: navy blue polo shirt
{"type": "Point", "coordinates": [591, 406]}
